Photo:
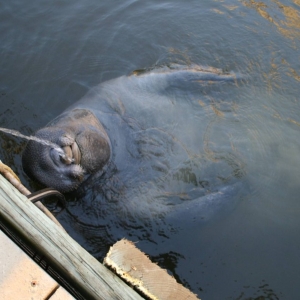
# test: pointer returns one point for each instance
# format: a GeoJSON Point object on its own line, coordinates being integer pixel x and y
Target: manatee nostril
{"type": "Point", "coordinates": [68, 151]}
{"type": "Point", "coordinates": [76, 153]}
{"type": "Point", "coordinates": [64, 158]}
{"type": "Point", "coordinates": [58, 155]}
{"type": "Point", "coordinates": [67, 157]}
{"type": "Point", "coordinates": [71, 154]}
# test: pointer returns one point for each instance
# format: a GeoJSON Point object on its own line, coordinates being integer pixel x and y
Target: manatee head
{"type": "Point", "coordinates": [76, 145]}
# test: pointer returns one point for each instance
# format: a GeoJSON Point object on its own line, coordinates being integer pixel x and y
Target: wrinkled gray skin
{"type": "Point", "coordinates": [139, 125]}
{"type": "Point", "coordinates": [58, 168]}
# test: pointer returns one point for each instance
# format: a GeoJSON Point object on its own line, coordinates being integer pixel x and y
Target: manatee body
{"type": "Point", "coordinates": [141, 138]}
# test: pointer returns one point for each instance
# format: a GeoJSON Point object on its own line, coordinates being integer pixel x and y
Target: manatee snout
{"type": "Point", "coordinates": [54, 167]}
{"type": "Point", "coordinates": [75, 145]}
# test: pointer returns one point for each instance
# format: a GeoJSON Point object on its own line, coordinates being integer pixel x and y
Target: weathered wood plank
{"type": "Point", "coordinates": [148, 278]}
{"type": "Point", "coordinates": [59, 248]}
{"type": "Point", "coordinates": [20, 276]}
{"type": "Point", "coordinates": [10, 175]}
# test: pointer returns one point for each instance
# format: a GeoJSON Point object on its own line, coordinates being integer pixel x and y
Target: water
{"type": "Point", "coordinates": [53, 53]}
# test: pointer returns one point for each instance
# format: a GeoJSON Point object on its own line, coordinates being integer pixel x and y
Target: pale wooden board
{"type": "Point", "coordinates": [136, 268]}
{"type": "Point", "coordinates": [20, 276]}
{"type": "Point", "coordinates": [85, 272]}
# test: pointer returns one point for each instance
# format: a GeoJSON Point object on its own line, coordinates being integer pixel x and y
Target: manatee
{"type": "Point", "coordinates": [143, 136]}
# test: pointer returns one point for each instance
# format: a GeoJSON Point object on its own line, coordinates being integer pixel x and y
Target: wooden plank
{"type": "Point", "coordinates": [20, 276]}
{"type": "Point", "coordinates": [87, 274]}
{"type": "Point", "coordinates": [10, 175]}
{"type": "Point", "coordinates": [137, 269]}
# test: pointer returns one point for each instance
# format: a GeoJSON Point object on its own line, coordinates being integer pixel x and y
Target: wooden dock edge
{"type": "Point", "coordinates": [75, 263]}
{"type": "Point", "coordinates": [21, 277]}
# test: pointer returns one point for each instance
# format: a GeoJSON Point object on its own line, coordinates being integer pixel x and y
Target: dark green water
{"type": "Point", "coordinates": [52, 53]}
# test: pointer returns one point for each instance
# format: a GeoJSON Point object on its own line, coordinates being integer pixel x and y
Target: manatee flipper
{"type": "Point", "coordinates": [205, 208]}
{"type": "Point", "coordinates": [178, 75]}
